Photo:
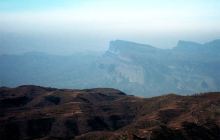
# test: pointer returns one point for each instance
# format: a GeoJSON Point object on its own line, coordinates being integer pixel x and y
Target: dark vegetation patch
{"type": "Point", "coordinates": [116, 121]}
{"type": "Point", "coordinates": [38, 128]}
{"type": "Point", "coordinates": [14, 102]}
{"type": "Point", "coordinates": [168, 114]}
{"type": "Point", "coordinates": [72, 128]}
{"type": "Point", "coordinates": [84, 99]}
{"type": "Point", "coordinates": [53, 99]}
{"type": "Point", "coordinates": [106, 109]}
{"type": "Point", "coordinates": [209, 131]}
{"type": "Point", "coordinates": [97, 123]}
{"type": "Point", "coordinates": [10, 131]}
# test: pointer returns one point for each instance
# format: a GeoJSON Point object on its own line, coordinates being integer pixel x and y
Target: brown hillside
{"type": "Point", "coordinates": [33, 112]}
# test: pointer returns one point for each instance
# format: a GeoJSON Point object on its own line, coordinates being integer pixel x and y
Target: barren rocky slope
{"type": "Point", "coordinates": [33, 112]}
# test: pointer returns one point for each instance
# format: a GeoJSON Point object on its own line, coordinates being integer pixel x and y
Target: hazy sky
{"type": "Point", "coordinates": [91, 24]}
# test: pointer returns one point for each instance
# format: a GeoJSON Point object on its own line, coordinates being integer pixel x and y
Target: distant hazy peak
{"type": "Point", "coordinates": [182, 43]}
{"type": "Point", "coordinates": [193, 46]}
{"type": "Point", "coordinates": [130, 43]}
{"type": "Point", "coordinates": [121, 46]}
{"type": "Point", "coordinates": [214, 42]}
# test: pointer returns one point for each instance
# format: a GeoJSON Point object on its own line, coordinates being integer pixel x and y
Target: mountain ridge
{"type": "Point", "coordinates": [179, 43]}
{"type": "Point", "coordinates": [131, 67]}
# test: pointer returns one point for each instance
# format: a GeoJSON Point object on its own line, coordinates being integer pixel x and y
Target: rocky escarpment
{"type": "Point", "coordinates": [33, 112]}
{"type": "Point", "coordinates": [187, 68]}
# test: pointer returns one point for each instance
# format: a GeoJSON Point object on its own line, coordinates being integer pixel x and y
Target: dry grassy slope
{"type": "Point", "coordinates": [33, 112]}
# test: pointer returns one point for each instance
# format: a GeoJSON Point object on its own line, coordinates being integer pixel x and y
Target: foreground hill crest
{"type": "Point", "coordinates": [34, 112]}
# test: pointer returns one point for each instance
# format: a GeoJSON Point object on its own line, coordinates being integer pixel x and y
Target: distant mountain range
{"type": "Point", "coordinates": [189, 67]}
{"type": "Point", "coordinates": [40, 113]}
{"type": "Point", "coordinates": [134, 68]}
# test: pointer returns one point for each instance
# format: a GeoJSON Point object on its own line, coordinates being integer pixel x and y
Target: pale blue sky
{"type": "Point", "coordinates": [20, 5]}
{"type": "Point", "coordinates": [158, 22]}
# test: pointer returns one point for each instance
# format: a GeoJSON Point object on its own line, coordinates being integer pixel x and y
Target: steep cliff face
{"type": "Point", "coordinates": [33, 112]}
{"type": "Point", "coordinates": [123, 62]}
{"type": "Point", "coordinates": [118, 60]}
{"type": "Point", "coordinates": [187, 68]}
